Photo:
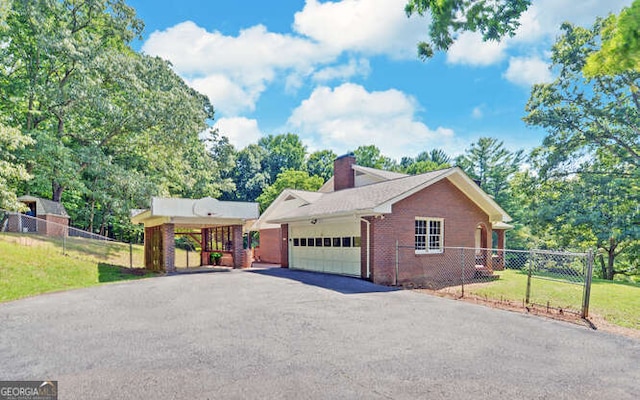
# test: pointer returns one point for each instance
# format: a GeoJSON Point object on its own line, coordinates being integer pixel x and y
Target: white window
{"type": "Point", "coordinates": [429, 234]}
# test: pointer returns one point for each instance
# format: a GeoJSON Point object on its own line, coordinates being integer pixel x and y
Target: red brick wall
{"type": "Point", "coordinates": [270, 242]}
{"type": "Point", "coordinates": [441, 200]}
{"type": "Point", "coordinates": [343, 177]}
{"type": "Point", "coordinates": [58, 227]}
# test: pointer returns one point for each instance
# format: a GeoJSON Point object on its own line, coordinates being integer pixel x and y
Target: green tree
{"type": "Point", "coordinates": [589, 162]}
{"type": "Point", "coordinates": [492, 165]}
{"type": "Point", "coordinates": [320, 163]}
{"type": "Point", "coordinates": [426, 161]}
{"type": "Point", "coordinates": [620, 51]}
{"type": "Point", "coordinates": [51, 47]}
{"type": "Point", "coordinates": [112, 127]}
{"type": "Point", "coordinates": [596, 208]}
{"type": "Point", "coordinates": [493, 19]}
{"type": "Point", "coordinates": [11, 171]}
{"type": "Point", "coordinates": [250, 178]}
{"type": "Point", "coordinates": [371, 156]}
{"type": "Point", "coordinates": [283, 152]}
{"type": "Point", "coordinates": [584, 116]}
{"type": "Point", "coordinates": [289, 179]}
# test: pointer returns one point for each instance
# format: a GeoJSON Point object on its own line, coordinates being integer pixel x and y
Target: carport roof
{"type": "Point", "coordinates": [196, 213]}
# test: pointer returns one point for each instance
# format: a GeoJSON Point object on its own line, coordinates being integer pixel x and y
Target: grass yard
{"type": "Point", "coordinates": [31, 264]}
{"type": "Point", "coordinates": [617, 302]}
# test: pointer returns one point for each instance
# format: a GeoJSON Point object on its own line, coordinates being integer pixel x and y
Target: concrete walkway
{"type": "Point", "coordinates": [274, 333]}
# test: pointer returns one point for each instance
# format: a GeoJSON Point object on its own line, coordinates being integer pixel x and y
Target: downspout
{"type": "Point", "coordinates": [368, 246]}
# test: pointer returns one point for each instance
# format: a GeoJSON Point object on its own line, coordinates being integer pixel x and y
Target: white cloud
{"type": "Point", "coordinates": [349, 116]}
{"type": "Point", "coordinates": [237, 69]}
{"type": "Point", "coordinates": [244, 65]}
{"type": "Point", "coordinates": [367, 26]}
{"type": "Point", "coordinates": [470, 49]}
{"type": "Point", "coordinates": [227, 96]}
{"type": "Point", "coordinates": [544, 17]}
{"type": "Point", "coordinates": [240, 131]}
{"type": "Point", "coordinates": [527, 71]}
{"type": "Point", "coordinates": [477, 112]}
{"type": "Point", "coordinates": [539, 26]}
{"type": "Point", "coordinates": [359, 67]}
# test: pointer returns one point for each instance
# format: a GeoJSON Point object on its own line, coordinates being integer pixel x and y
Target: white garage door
{"type": "Point", "coordinates": [323, 247]}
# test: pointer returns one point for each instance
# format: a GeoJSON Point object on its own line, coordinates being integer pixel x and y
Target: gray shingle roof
{"type": "Point", "coordinates": [362, 198]}
{"type": "Point", "coordinates": [44, 206]}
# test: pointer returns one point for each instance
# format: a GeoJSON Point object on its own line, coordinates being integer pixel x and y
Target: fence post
{"type": "Point", "coordinates": [130, 254]}
{"type": "Point", "coordinates": [397, 262]}
{"type": "Point", "coordinates": [587, 285]}
{"type": "Point", "coordinates": [187, 257]}
{"type": "Point", "coordinates": [462, 261]}
{"type": "Point", "coordinates": [528, 294]}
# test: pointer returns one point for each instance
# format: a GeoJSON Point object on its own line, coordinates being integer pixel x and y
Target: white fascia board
{"type": "Point", "coordinates": [273, 207]}
{"type": "Point", "coordinates": [354, 214]}
{"type": "Point", "coordinates": [475, 193]}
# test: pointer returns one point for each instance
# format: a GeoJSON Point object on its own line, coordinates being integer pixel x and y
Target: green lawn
{"type": "Point", "coordinates": [617, 302]}
{"type": "Point", "coordinates": [31, 264]}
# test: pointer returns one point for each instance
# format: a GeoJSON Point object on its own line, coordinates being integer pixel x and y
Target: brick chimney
{"type": "Point", "coordinates": [343, 175]}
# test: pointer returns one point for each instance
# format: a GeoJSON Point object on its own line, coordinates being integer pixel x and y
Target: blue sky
{"type": "Point", "coordinates": [341, 74]}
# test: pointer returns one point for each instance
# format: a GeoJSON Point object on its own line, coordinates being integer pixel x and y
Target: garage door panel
{"type": "Point", "coordinates": [335, 260]}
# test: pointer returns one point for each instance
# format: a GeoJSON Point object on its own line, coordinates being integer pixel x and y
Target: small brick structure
{"type": "Point", "coordinates": [44, 217]}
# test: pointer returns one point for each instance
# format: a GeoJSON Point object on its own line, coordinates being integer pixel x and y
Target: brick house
{"type": "Point", "coordinates": [352, 224]}
{"type": "Point", "coordinates": [43, 216]}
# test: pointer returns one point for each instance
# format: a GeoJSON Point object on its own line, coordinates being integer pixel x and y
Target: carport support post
{"type": "Point", "coordinates": [169, 248]}
{"type": "Point", "coordinates": [237, 245]}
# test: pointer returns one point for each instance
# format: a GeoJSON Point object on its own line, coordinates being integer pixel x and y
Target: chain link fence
{"type": "Point", "coordinates": [33, 231]}
{"type": "Point", "coordinates": [537, 278]}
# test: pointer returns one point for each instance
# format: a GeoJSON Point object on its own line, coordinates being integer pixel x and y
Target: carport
{"type": "Point", "coordinates": [218, 226]}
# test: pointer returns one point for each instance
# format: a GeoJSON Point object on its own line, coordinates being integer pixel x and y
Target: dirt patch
{"type": "Point", "coordinates": [594, 322]}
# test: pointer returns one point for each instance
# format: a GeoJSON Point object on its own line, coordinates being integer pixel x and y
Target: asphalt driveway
{"type": "Point", "coordinates": [283, 334]}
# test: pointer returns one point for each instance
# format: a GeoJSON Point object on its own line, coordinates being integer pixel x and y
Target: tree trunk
{"type": "Point", "coordinates": [611, 253]}
{"type": "Point", "coordinates": [610, 260]}
{"type": "Point", "coordinates": [92, 215]}
{"type": "Point", "coordinates": [57, 190]}
{"type": "Point", "coordinates": [603, 267]}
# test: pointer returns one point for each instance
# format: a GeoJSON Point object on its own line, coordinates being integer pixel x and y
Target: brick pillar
{"type": "Point", "coordinates": [148, 248]}
{"type": "Point", "coordinates": [169, 248]}
{"type": "Point", "coordinates": [284, 246]}
{"type": "Point", "coordinates": [236, 251]}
